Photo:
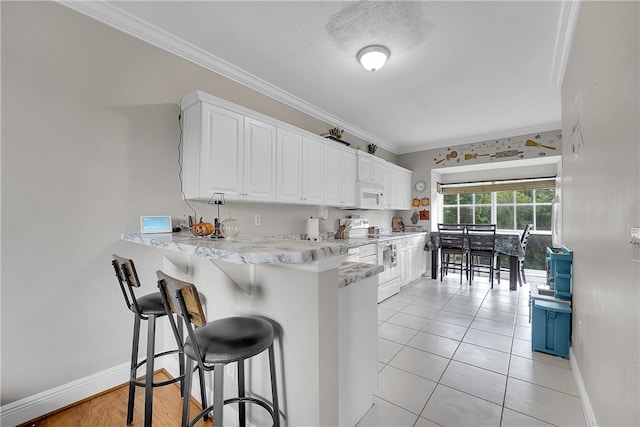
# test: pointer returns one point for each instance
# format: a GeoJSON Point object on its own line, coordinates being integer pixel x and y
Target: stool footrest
{"type": "Point", "coordinates": [140, 383]}
{"type": "Point", "coordinates": [245, 399]}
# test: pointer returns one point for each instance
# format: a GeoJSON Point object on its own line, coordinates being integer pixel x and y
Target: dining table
{"type": "Point", "coordinates": [507, 244]}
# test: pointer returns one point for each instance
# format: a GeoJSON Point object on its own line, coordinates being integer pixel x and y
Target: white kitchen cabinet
{"type": "Point", "coordinates": [370, 168]}
{"type": "Point", "coordinates": [289, 170]}
{"type": "Point", "coordinates": [227, 152]}
{"type": "Point", "coordinates": [402, 189]}
{"type": "Point", "coordinates": [313, 181]}
{"type": "Point", "coordinates": [340, 166]}
{"type": "Point", "coordinates": [259, 161]}
{"type": "Point", "coordinates": [405, 262]}
{"type": "Point", "coordinates": [412, 259]}
{"type": "Point", "coordinates": [397, 187]}
{"type": "Point", "coordinates": [251, 157]}
{"type": "Point", "coordinates": [300, 168]}
{"type": "Point", "coordinates": [387, 181]}
{"type": "Point", "coordinates": [213, 152]}
{"type": "Point", "coordinates": [419, 256]}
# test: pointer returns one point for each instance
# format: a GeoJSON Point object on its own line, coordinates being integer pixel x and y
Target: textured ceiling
{"type": "Point", "coordinates": [458, 72]}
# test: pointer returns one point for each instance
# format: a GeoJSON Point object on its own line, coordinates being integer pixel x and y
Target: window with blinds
{"type": "Point", "coordinates": [510, 204]}
{"type": "Point", "coordinates": [497, 186]}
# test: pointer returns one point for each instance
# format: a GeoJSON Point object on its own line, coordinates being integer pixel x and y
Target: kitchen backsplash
{"type": "Point", "coordinates": [282, 220]}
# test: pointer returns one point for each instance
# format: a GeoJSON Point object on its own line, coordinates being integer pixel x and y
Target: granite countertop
{"type": "Point", "coordinates": [351, 272]}
{"type": "Point", "coordinates": [360, 241]}
{"type": "Point", "coordinates": [293, 249]}
{"type": "Point", "coordinates": [244, 250]}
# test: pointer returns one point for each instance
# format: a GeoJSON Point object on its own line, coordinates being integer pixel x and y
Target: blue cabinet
{"type": "Point", "coordinates": [551, 326]}
{"type": "Point", "coordinates": [559, 266]}
{"type": "Point", "coordinates": [551, 315]}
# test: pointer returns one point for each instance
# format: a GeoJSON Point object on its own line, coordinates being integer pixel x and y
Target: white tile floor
{"type": "Point", "coordinates": [454, 355]}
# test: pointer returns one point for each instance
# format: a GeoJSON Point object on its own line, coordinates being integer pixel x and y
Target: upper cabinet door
{"type": "Point", "coordinates": [349, 176]}
{"type": "Point", "coordinates": [340, 166]}
{"type": "Point", "coordinates": [289, 168]}
{"type": "Point", "coordinates": [397, 187]}
{"type": "Point", "coordinates": [403, 189]}
{"type": "Point", "coordinates": [388, 175]}
{"type": "Point", "coordinates": [369, 168]}
{"type": "Point", "coordinates": [259, 161]}
{"type": "Point", "coordinates": [333, 175]}
{"type": "Point", "coordinates": [312, 171]}
{"type": "Point", "coordinates": [221, 152]}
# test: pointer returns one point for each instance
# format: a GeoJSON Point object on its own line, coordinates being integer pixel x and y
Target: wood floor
{"type": "Point", "coordinates": [109, 409]}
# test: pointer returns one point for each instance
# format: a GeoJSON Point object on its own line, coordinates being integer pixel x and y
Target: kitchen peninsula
{"type": "Point", "coordinates": [324, 310]}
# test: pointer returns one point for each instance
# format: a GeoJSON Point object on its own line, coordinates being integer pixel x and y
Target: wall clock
{"type": "Point", "coordinates": [420, 186]}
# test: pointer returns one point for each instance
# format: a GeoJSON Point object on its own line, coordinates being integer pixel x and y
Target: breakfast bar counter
{"type": "Point", "coordinates": [243, 250]}
{"type": "Point", "coordinates": [324, 311]}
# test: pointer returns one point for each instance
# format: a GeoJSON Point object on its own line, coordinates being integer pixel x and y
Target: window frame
{"type": "Point", "coordinates": [494, 209]}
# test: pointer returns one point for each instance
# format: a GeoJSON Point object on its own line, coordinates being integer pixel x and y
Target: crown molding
{"type": "Point", "coordinates": [114, 17]}
{"type": "Point", "coordinates": [564, 38]}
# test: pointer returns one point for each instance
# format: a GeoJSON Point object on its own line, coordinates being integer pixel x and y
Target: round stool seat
{"type": "Point", "coordinates": [151, 304]}
{"type": "Point", "coordinates": [231, 339]}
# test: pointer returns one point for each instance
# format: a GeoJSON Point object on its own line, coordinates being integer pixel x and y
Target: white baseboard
{"type": "Point", "coordinates": [40, 404]}
{"type": "Point", "coordinates": [589, 416]}
{"type": "Point", "coordinates": [29, 408]}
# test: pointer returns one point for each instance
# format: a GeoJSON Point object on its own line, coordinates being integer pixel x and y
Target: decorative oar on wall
{"type": "Point", "coordinates": [474, 156]}
{"type": "Point", "coordinates": [449, 156]}
{"type": "Point", "coordinates": [531, 143]}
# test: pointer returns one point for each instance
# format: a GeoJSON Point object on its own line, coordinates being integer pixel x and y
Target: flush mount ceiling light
{"type": "Point", "coordinates": [374, 57]}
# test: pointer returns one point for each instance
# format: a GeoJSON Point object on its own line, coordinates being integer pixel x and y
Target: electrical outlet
{"type": "Point", "coordinates": [258, 220]}
{"type": "Point", "coordinates": [183, 219]}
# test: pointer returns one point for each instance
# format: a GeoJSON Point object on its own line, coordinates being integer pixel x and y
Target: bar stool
{"type": "Point", "coordinates": [148, 307]}
{"type": "Point", "coordinates": [214, 344]}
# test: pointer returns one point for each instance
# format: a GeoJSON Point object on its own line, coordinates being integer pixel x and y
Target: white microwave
{"type": "Point", "coordinates": [370, 196]}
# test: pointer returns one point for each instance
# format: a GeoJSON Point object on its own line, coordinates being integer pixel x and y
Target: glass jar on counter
{"type": "Point", "coordinates": [230, 228]}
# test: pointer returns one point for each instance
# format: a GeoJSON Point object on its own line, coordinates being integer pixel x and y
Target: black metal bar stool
{"type": "Point", "coordinates": [148, 307]}
{"type": "Point", "coordinates": [214, 344]}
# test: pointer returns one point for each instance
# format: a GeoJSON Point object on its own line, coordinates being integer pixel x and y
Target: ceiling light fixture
{"type": "Point", "coordinates": [373, 57]}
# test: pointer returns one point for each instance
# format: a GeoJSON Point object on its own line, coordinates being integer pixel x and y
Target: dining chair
{"type": "Point", "coordinates": [214, 344]}
{"type": "Point", "coordinates": [452, 248]}
{"type": "Point", "coordinates": [524, 238]}
{"type": "Point", "coordinates": [482, 255]}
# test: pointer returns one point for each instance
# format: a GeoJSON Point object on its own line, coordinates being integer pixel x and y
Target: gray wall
{"type": "Point", "coordinates": [530, 163]}
{"type": "Point", "coordinates": [602, 202]}
{"type": "Point", "coordinates": [89, 143]}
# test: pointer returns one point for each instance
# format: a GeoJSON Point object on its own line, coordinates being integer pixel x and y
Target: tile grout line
{"type": "Point", "coordinates": [450, 299]}
{"type": "Point", "coordinates": [438, 382]}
